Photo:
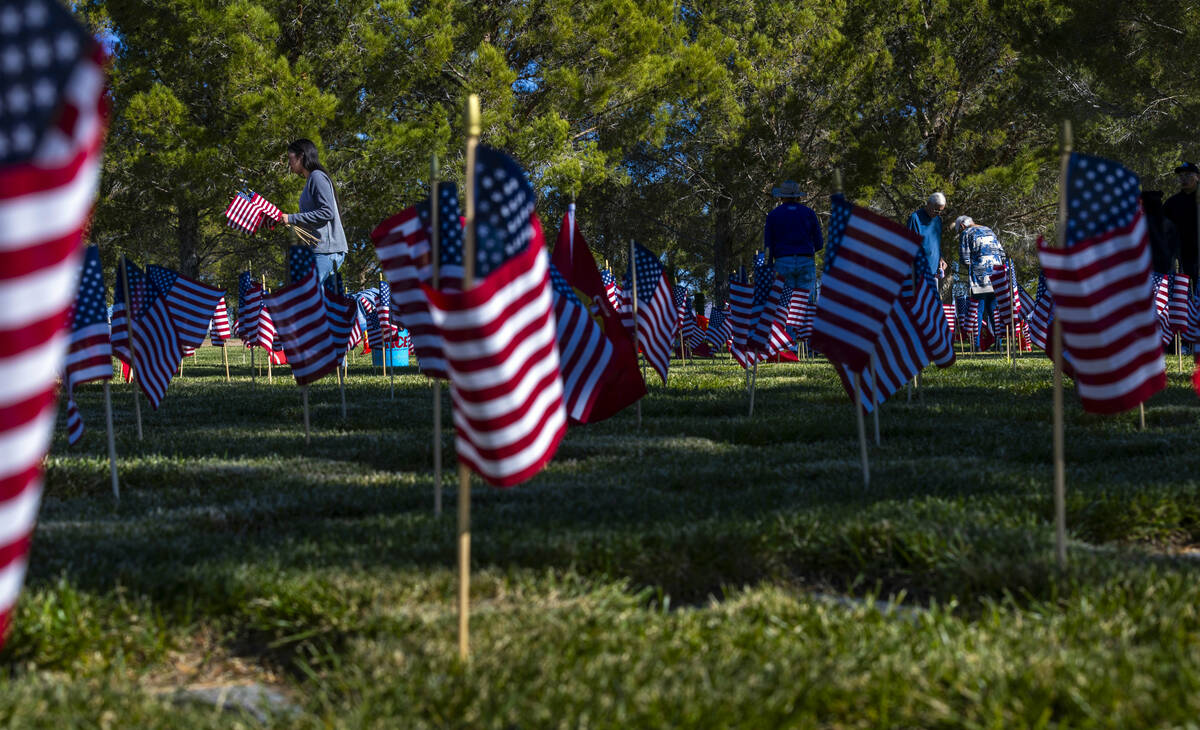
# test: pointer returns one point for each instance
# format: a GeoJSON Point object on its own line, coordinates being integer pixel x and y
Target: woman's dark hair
{"type": "Point", "coordinates": [307, 152]}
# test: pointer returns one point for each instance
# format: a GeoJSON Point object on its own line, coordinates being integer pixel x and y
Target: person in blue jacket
{"type": "Point", "coordinates": [318, 208]}
{"type": "Point", "coordinates": [792, 236]}
{"type": "Point", "coordinates": [926, 222]}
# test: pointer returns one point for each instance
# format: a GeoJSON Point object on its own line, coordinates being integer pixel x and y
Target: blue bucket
{"type": "Point", "coordinates": [397, 357]}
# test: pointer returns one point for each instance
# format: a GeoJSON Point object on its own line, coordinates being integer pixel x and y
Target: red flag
{"type": "Point", "coordinates": [622, 383]}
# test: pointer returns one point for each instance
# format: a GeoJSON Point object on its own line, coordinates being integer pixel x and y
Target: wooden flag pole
{"type": "Point", "coordinates": [753, 386]}
{"type": "Point", "coordinates": [342, 389]}
{"type": "Point", "coordinates": [464, 474]}
{"type": "Point", "coordinates": [875, 389]}
{"type": "Point", "coordinates": [270, 376]}
{"type": "Point", "coordinates": [435, 260]}
{"type": "Point", "coordinates": [633, 277]}
{"type": "Point", "coordinates": [856, 380]}
{"type": "Point", "coordinates": [1060, 464]}
{"type": "Point", "coordinates": [137, 406]}
{"type": "Point", "coordinates": [112, 445]}
{"type": "Point", "coordinates": [225, 357]}
{"type": "Point", "coordinates": [1179, 350]}
{"type": "Point", "coordinates": [862, 428]}
{"type": "Point", "coordinates": [304, 398]}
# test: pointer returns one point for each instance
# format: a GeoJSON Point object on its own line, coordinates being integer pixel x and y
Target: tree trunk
{"type": "Point", "coordinates": [188, 233]}
{"type": "Point", "coordinates": [722, 249]}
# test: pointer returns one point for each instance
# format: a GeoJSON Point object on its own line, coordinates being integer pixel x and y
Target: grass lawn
{"type": "Point", "coordinates": [709, 570]}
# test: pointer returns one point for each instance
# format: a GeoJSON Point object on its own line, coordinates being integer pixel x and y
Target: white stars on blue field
{"type": "Point", "coordinates": [1101, 195]}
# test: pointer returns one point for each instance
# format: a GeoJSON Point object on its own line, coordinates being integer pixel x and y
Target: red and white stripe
{"type": "Point", "coordinates": [1109, 328]}
{"type": "Point", "coordinates": [403, 247]}
{"type": "Point", "coordinates": [192, 305]}
{"type": "Point", "coordinates": [656, 322]}
{"type": "Point", "coordinates": [302, 326]}
{"type": "Point", "coordinates": [502, 359]}
{"type": "Point", "coordinates": [899, 355]}
{"type": "Point", "coordinates": [157, 351]}
{"type": "Point", "coordinates": [583, 354]}
{"type": "Point", "coordinates": [89, 358]}
{"type": "Point", "coordinates": [930, 320]}
{"type": "Point", "coordinates": [44, 204]}
{"type": "Point", "coordinates": [950, 312]}
{"type": "Point", "coordinates": [857, 293]}
{"type": "Point", "coordinates": [218, 330]}
{"type": "Point", "coordinates": [1002, 286]}
{"type": "Point", "coordinates": [1178, 306]}
{"type": "Point", "coordinates": [342, 313]}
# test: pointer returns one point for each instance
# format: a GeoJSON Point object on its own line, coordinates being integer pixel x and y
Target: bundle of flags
{"type": "Point", "coordinates": [49, 168]}
{"type": "Point", "coordinates": [248, 210]}
{"type": "Point", "coordinates": [1100, 282]}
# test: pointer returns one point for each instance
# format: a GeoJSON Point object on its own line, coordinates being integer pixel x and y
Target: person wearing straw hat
{"type": "Point", "coordinates": [318, 208]}
{"type": "Point", "coordinates": [980, 251]}
{"type": "Point", "coordinates": [792, 235]}
{"type": "Point", "coordinates": [1183, 209]}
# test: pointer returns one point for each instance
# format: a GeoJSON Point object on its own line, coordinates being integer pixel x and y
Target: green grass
{"type": "Point", "coordinates": [709, 570]}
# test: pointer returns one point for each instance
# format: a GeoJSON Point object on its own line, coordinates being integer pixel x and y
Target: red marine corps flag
{"type": "Point", "coordinates": [49, 166]}
{"type": "Point", "coordinates": [621, 384]}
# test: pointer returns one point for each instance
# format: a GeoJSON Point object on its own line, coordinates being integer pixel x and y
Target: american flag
{"type": "Point", "coordinates": [157, 351]}
{"type": "Point", "coordinates": [692, 335]}
{"type": "Point", "coordinates": [1100, 281]}
{"type": "Point", "coordinates": [499, 336]}
{"type": "Point", "coordinates": [1178, 307]}
{"type": "Point", "coordinates": [951, 314]}
{"type": "Point", "coordinates": [302, 326]}
{"type": "Point", "coordinates": [718, 333]}
{"type": "Point", "coordinates": [257, 327]}
{"type": "Point", "coordinates": [1042, 315]}
{"type": "Point", "coordinates": [900, 353]}
{"type": "Point", "coordinates": [1192, 332]}
{"type": "Point", "coordinates": [218, 328]}
{"type": "Point", "coordinates": [928, 316]}
{"type": "Point", "coordinates": [89, 352]}
{"type": "Point", "coordinates": [247, 211]}
{"type": "Point", "coordinates": [611, 290]}
{"type": "Point", "coordinates": [383, 308]}
{"type": "Point", "coordinates": [1002, 286]}
{"type": "Point", "coordinates": [1162, 296]}
{"type": "Point", "coordinates": [741, 301]}
{"type": "Point", "coordinates": [1023, 304]}
{"type": "Point", "coordinates": [583, 350]}
{"type": "Point", "coordinates": [301, 261]}
{"type": "Point", "coordinates": [972, 327]}
{"type": "Point", "coordinates": [402, 244]}
{"type": "Point", "coordinates": [135, 280]}
{"type": "Point", "coordinates": [768, 313]}
{"type": "Point", "coordinates": [49, 166]}
{"type": "Point", "coordinates": [656, 314]}
{"type": "Point", "coordinates": [342, 312]}
{"type": "Point", "coordinates": [190, 303]}
{"type": "Point", "coordinates": [869, 258]}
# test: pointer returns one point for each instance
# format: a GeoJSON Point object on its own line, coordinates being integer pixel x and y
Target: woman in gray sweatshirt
{"type": "Point", "coordinates": [318, 208]}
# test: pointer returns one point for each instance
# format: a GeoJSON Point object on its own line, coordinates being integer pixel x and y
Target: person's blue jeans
{"type": "Point", "coordinates": [987, 306]}
{"type": "Point", "coordinates": [327, 263]}
{"type": "Point", "coordinates": [798, 272]}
